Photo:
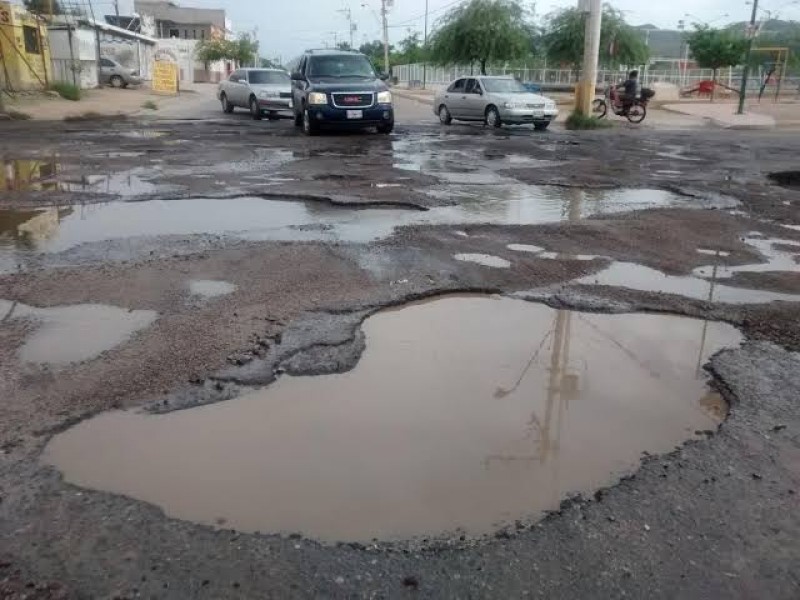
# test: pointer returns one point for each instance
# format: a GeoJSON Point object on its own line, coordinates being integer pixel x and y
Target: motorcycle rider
{"type": "Point", "coordinates": [630, 91]}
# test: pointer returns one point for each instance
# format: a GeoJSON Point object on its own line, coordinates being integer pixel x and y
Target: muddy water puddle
{"type": "Point", "coordinates": [71, 334]}
{"type": "Point", "coordinates": [56, 229]}
{"type": "Point", "coordinates": [209, 288]}
{"type": "Point", "coordinates": [704, 283]}
{"type": "Point", "coordinates": [463, 414]}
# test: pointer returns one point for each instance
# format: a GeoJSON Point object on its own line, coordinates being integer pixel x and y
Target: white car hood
{"type": "Point", "coordinates": [525, 98]}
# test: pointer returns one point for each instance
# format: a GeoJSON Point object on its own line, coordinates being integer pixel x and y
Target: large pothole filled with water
{"type": "Point", "coordinates": [464, 414]}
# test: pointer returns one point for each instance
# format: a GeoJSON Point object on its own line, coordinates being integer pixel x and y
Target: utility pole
{"type": "Point", "coordinates": [591, 50]}
{"type": "Point", "coordinates": [751, 34]}
{"type": "Point", "coordinates": [351, 28]}
{"type": "Point", "coordinates": [425, 48]}
{"type": "Point", "coordinates": [384, 10]}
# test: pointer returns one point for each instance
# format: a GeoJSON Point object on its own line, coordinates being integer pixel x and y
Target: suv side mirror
{"type": "Point", "coordinates": [383, 76]}
{"type": "Point", "coordinates": [297, 76]}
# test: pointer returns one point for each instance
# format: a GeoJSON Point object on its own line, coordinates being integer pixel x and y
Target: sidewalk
{"type": "Point", "coordinates": [723, 114]}
{"type": "Point", "coordinates": [107, 102]}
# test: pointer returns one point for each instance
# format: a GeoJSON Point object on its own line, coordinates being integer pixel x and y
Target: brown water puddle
{"type": "Point", "coordinates": [75, 333]}
{"type": "Point", "coordinates": [465, 413]}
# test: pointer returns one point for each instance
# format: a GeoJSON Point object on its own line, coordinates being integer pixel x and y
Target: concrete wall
{"type": "Point", "coordinates": [74, 55]}
{"type": "Point", "coordinates": [20, 68]}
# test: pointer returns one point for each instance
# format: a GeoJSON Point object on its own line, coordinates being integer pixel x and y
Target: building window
{"type": "Point", "coordinates": [202, 34]}
{"type": "Point", "coordinates": [194, 34]}
{"type": "Point", "coordinates": [174, 33]}
{"type": "Point", "coordinates": [31, 36]}
{"type": "Point", "coordinates": [186, 34]}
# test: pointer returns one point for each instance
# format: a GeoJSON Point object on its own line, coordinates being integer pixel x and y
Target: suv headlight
{"type": "Point", "coordinates": [317, 98]}
{"type": "Point", "coordinates": [385, 97]}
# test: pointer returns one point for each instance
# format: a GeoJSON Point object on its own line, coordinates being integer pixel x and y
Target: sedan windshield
{"type": "Point", "coordinates": [504, 86]}
{"type": "Point", "coordinates": [341, 67]}
{"type": "Point", "coordinates": [269, 77]}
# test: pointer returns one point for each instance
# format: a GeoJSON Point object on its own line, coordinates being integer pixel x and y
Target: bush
{"type": "Point", "coordinates": [16, 115]}
{"type": "Point", "coordinates": [579, 121]}
{"type": "Point", "coordinates": [150, 105]}
{"type": "Point", "coordinates": [68, 91]}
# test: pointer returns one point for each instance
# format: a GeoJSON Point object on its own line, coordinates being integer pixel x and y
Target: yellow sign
{"type": "Point", "coordinates": [165, 77]}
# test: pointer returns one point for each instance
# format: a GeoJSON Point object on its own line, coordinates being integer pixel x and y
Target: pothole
{"type": "Point", "coordinates": [789, 179]}
{"type": "Point", "coordinates": [71, 334]}
{"type": "Point", "coordinates": [207, 288]}
{"type": "Point", "coordinates": [486, 260]}
{"type": "Point", "coordinates": [57, 229]}
{"type": "Point", "coordinates": [464, 414]}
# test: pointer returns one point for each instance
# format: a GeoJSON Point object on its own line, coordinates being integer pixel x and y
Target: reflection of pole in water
{"type": "Point", "coordinates": [711, 287]}
{"type": "Point", "coordinates": [575, 204]}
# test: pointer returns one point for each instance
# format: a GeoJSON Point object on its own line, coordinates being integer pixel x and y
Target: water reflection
{"type": "Point", "coordinates": [463, 412]}
{"type": "Point", "coordinates": [28, 175]}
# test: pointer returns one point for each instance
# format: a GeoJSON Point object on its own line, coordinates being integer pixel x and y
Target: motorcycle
{"type": "Point", "coordinates": [635, 113]}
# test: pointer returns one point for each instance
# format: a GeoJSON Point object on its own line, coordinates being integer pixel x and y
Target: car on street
{"type": "Point", "coordinates": [495, 101]}
{"type": "Point", "coordinates": [339, 89]}
{"type": "Point", "coordinates": [114, 74]}
{"type": "Point", "coordinates": [258, 90]}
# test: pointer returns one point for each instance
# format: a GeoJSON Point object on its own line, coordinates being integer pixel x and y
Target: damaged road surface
{"type": "Point", "coordinates": [442, 363]}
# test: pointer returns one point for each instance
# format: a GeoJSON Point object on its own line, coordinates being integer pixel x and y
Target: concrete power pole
{"type": "Point", "coordinates": [425, 48]}
{"type": "Point", "coordinates": [351, 27]}
{"type": "Point", "coordinates": [751, 34]}
{"type": "Point", "coordinates": [384, 10]}
{"type": "Point", "coordinates": [591, 51]}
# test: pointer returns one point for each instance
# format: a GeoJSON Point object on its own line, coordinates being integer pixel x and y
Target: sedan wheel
{"type": "Point", "coordinates": [493, 117]}
{"type": "Point", "coordinates": [227, 107]}
{"type": "Point", "coordinates": [116, 81]}
{"type": "Point", "coordinates": [255, 109]}
{"type": "Point", "coordinates": [445, 118]}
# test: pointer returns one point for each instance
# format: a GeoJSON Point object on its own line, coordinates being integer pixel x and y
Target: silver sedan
{"type": "Point", "coordinates": [494, 101]}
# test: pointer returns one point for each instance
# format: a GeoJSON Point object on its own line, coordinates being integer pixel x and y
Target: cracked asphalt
{"type": "Point", "coordinates": [718, 517]}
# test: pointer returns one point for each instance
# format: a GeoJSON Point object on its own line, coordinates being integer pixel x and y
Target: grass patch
{"type": "Point", "coordinates": [150, 105]}
{"type": "Point", "coordinates": [16, 115]}
{"type": "Point", "coordinates": [68, 91]}
{"type": "Point", "coordinates": [578, 121]}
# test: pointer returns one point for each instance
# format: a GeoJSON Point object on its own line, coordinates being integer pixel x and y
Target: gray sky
{"type": "Point", "coordinates": [287, 27]}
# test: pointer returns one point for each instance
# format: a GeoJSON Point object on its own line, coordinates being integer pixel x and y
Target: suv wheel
{"type": "Point", "coordinates": [309, 127]}
{"type": "Point", "coordinates": [385, 128]}
{"type": "Point", "coordinates": [255, 109]}
{"type": "Point", "coordinates": [116, 81]}
{"type": "Point", "coordinates": [298, 119]}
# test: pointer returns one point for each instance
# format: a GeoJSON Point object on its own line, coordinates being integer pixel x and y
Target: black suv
{"type": "Point", "coordinates": [339, 89]}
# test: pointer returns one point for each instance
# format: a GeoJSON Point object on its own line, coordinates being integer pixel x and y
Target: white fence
{"type": "Point", "coordinates": [414, 75]}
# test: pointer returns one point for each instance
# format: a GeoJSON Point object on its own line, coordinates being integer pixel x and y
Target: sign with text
{"type": "Point", "coordinates": [165, 77]}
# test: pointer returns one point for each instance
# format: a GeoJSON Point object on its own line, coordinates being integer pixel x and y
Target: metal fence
{"type": "Point", "coordinates": [434, 76]}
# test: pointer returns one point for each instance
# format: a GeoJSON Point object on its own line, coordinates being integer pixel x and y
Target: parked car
{"type": "Point", "coordinates": [495, 101]}
{"type": "Point", "coordinates": [259, 90]}
{"type": "Point", "coordinates": [114, 74]}
{"type": "Point", "coordinates": [340, 89]}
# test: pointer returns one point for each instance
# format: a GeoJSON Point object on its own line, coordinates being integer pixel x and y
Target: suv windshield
{"type": "Point", "coordinates": [265, 77]}
{"type": "Point", "coordinates": [341, 66]}
{"type": "Point", "coordinates": [504, 86]}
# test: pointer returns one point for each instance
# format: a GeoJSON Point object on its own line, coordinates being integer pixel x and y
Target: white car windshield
{"type": "Point", "coordinates": [341, 67]}
{"type": "Point", "coordinates": [504, 86]}
{"type": "Point", "coordinates": [269, 77]}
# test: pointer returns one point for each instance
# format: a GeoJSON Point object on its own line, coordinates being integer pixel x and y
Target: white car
{"type": "Point", "coordinates": [494, 101]}
{"type": "Point", "coordinates": [259, 90]}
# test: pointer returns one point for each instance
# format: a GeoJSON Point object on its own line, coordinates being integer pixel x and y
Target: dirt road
{"type": "Point", "coordinates": [159, 266]}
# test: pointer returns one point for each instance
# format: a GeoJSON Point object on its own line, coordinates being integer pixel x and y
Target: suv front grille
{"type": "Point", "coordinates": [353, 99]}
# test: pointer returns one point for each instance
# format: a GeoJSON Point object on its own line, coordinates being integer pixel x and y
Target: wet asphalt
{"type": "Point", "coordinates": [715, 517]}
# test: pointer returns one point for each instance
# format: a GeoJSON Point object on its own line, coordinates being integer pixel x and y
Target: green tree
{"type": "Point", "coordinates": [43, 7]}
{"type": "Point", "coordinates": [620, 43]}
{"type": "Point", "coordinates": [481, 31]}
{"type": "Point", "coordinates": [241, 50]}
{"type": "Point", "coordinates": [716, 49]}
{"type": "Point", "coordinates": [411, 51]}
{"type": "Point", "coordinates": [374, 51]}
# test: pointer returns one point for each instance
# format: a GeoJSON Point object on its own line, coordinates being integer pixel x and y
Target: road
{"type": "Point", "coordinates": [239, 362]}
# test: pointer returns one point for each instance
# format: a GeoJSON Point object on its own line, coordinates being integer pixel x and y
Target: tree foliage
{"type": "Point", "coordinates": [43, 7]}
{"type": "Point", "coordinates": [241, 50]}
{"type": "Point", "coordinates": [620, 44]}
{"type": "Point", "coordinates": [481, 31]}
{"type": "Point", "coordinates": [716, 48]}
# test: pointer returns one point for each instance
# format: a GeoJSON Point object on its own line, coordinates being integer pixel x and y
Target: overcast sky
{"type": "Point", "coordinates": [287, 27]}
